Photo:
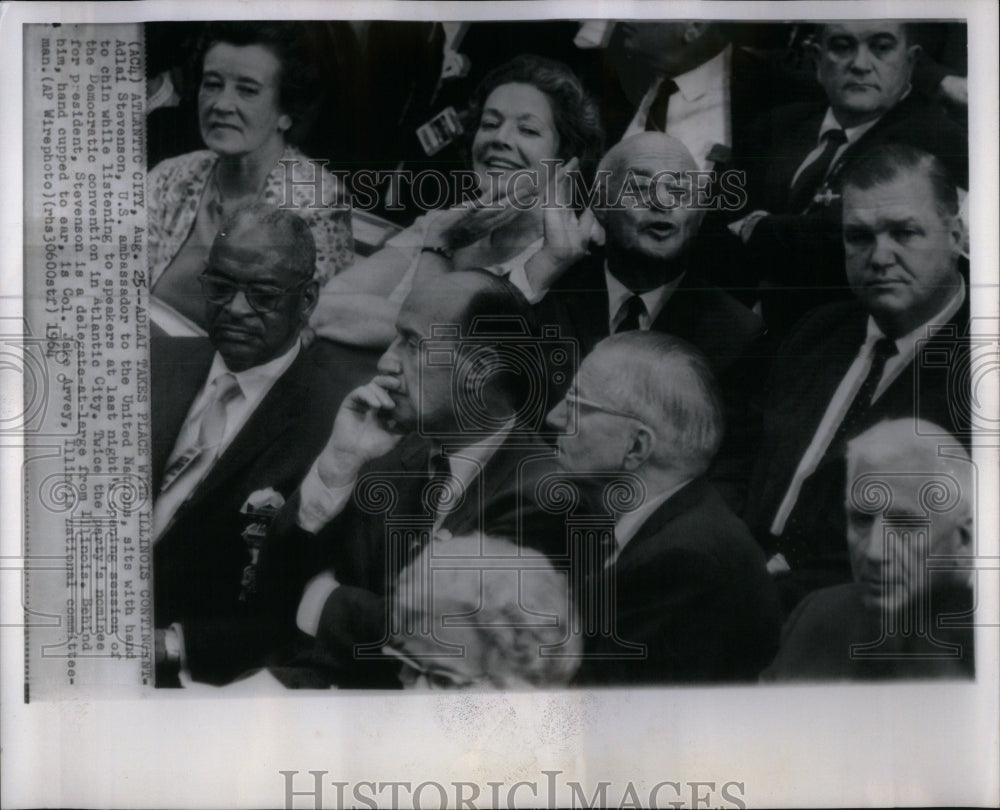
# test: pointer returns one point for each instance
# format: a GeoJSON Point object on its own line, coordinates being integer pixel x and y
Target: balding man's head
{"type": "Point", "coordinates": [902, 477]}
{"type": "Point", "coordinates": [466, 381]}
{"type": "Point", "coordinates": [649, 216]}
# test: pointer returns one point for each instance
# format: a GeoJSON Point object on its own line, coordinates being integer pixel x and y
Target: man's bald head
{"type": "Point", "coordinates": [669, 153]}
{"type": "Point", "coordinates": [649, 217]}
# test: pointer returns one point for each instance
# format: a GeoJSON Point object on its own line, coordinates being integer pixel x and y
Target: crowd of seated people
{"type": "Point", "coordinates": [596, 422]}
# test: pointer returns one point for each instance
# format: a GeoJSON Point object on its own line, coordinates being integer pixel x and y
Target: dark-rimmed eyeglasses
{"type": "Point", "coordinates": [263, 298]}
{"type": "Point", "coordinates": [411, 671]}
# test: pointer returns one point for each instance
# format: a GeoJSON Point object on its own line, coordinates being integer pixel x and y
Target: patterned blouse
{"type": "Point", "coordinates": [176, 186]}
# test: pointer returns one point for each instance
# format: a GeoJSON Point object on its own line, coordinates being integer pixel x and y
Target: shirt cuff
{"type": "Point", "coordinates": [318, 503]}
{"type": "Point", "coordinates": [313, 601]}
{"type": "Point", "coordinates": [518, 276]}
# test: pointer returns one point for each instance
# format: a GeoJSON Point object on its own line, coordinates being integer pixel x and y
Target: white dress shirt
{"type": "Point", "coordinates": [654, 300]}
{"type": "Point", "coordinates": [698, 113]}
{"type": "Point", "coordinates": [253, 383]}
{"type": "Point", "coordinates": [906, 347]}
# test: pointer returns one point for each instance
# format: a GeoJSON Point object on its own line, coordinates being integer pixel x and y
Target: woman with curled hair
{"type": "Point", "coordinates": [479, 633]}
{"type": "Point", "coordinates": [532, 123]}
{"type": "Point", "coordinates": [256, 96]}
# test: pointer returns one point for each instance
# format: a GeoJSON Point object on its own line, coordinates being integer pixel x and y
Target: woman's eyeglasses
{"type": "Point", "coordinates": [264, 298]}
{"type": "Point", "coordinates": [412, 671]}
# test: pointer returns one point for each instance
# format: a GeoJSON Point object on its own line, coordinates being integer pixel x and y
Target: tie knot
{"type": "Point", "coordinates": [884, 348]}
{"type": "Point", "coordinates": [226, 387]}
{"type": "Point", "coordinates": [837, 136]}
{"type": "Point", "coordinates": [635, 304]}
{"type": "Point", "coordinates": [667, 88]}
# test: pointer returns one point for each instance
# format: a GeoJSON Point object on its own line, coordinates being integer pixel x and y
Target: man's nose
{"type": "Point", "coordinates": [389, 363]}
{"type": "Point", "coordinates": [875, 544]}
{"type": "Point", "coordinates": [861, 62]}
{"type": "Point", "coordinates": [239, 306]}
{"type": "Point", "coordinates": [884, 252]}
{"type": "Point", "coordinates": [557, 417]}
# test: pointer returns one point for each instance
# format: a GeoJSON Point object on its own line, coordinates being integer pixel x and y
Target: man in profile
{"type": "Point", "coordinates": [690, 584]}
{"type": "Point", "coordinates": [241, 412]}
{"type": "Point", "coordinates": [909, 504]}
{"type": "Point", "coordinates": [440, 443]}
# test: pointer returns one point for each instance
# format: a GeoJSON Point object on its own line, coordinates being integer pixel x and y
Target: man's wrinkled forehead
{"type": "Point", "coordinates": [648, 153]}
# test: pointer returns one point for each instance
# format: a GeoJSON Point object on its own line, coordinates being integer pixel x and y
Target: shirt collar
{"type": "Point", "coordinates": [254, 381]}
{"type": "Point", "coordinates": [907, 343]}
{"type": "Point", "coordinates": [853, 134]}
{"type": "Point", "coordinates": [466, 462]}
{"type": "Point", "coordinates": [654, 300]}
{"type": "Point", "coordinates": [708, 76]}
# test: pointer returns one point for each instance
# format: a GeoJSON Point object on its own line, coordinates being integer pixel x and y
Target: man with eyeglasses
{"type": "Point", "coordinates": [244, 411]}
{"type": "Point", "coordinates": [651, 276]}
{"type": "Point", "coordinates": [690, 583]}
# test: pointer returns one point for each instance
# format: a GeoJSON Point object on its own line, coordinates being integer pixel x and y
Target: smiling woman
{"type": "Point", "coordinates": [256, 96]}
{"type": "Point", "coordinates": [531, 117]}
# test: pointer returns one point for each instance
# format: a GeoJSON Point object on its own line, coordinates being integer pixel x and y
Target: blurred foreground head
{"type": "Point", "coordinates": [461, 618]}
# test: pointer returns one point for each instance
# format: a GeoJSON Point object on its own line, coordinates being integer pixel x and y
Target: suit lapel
{"type": "Point", "coordinates": [646, 543]}
{"type": "Point", "coordinates": [181, 366]}
{"type": "Point", "coordinates": [268, 421]}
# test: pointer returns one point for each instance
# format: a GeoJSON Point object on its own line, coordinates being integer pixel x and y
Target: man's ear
{"type": "Point", "coordinates": [640, 448]}
{"type": "Point", "coordinates": [310, 295]}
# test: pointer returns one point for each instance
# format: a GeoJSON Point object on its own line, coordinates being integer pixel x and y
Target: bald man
{"type": "Point", "coordinates": [909, 505]}
{"type": "Point", "coordinates": [646, 278]}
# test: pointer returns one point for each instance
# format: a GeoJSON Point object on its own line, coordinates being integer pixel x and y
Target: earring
{"type": "Point", "coordinates": [284, 123]}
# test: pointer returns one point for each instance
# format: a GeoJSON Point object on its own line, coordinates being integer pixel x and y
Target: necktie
{"type": "Point", "coordinates": [656, 119]}
{"type": "Point", "coordinates": [810, 521]}
{"type": "Point", "coordinates": [807, 183]}
{"type": "Point", "coordinates": [634, 307]}
{"type": "Point", "coordinates": [883, 349]}
{"type": "Point", "coordinates": [213, 420]}
{"type": "Point", "coordinates": [211, 430]}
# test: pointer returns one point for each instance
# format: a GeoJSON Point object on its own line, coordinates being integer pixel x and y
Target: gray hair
{"type": "Point", "coordinates": [668, 384]}
{"type": "Point", "coordinates": [505, 581]}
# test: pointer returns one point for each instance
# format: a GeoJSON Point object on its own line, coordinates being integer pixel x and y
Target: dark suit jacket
{"type": "Point", "coordinates": [800, 256]}
{"type": "Point", "coordinates": [711, 320]}
{"type": "Point", "coordinates": [808, 369]}
{"type": "Point", "coordinates": [199, 561]}
{"type": "Point", "coordinates": [816, 640]}
{"type": "Point", "coordinates": [691, 586]}
{"type": "Point", "coordinates": [366, 547]}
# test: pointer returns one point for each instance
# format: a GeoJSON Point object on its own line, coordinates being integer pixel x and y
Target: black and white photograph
{"type": "Point", "coordinates": [513, 404]}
